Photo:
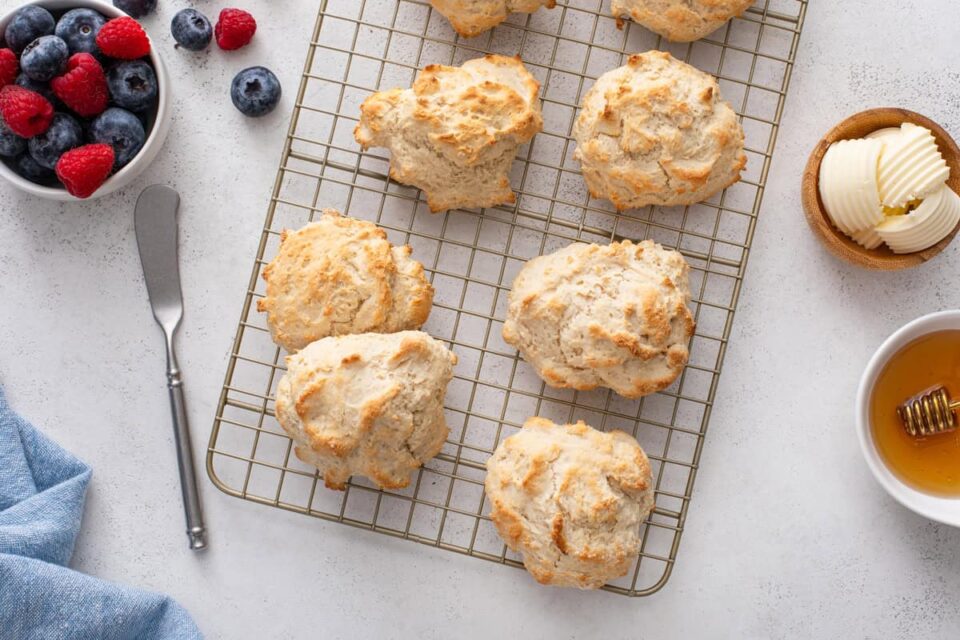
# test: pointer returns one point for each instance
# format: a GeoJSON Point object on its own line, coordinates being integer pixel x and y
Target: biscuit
{"type": "Point", "coordinates": [369, 404]}
{"type": "Point", "coordinates": [341, 275]}
{"type": "Point", "coordinates": [472, 17]}
{"type": "Point", "coordinates": [570, 499]}
{"type": "Point", "coordinates": [613, 316]}
{"type": "Point", "coordinates": [680, 20]}
{"type": "Point", "coordinates": [455, 133]}
{"type": "Point", "coordinates": [655, 131]}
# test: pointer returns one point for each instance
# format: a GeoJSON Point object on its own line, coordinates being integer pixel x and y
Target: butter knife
{"type": "Point", "coordinates": [155, 220]}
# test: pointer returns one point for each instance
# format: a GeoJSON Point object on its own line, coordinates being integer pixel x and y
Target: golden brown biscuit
{"type": "Point", "coordinates": [472, 17]}
{"type": "Point", "coordinates": [341, 275]}
{"type": "Point", "coordinates": [656, 131]}
{"type": "Point", "coordinates": [680, 20]}
{"type": "Point", "coordinates": [368, 404]}
{"type": "Point", "coordinates": [456, 132]}
{"type": "Point", "coordinates": [571, 500]}
{"type": "Point", "coordinates": [613, 316]}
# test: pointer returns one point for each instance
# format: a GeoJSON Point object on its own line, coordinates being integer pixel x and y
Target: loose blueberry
{"type": "Point", "coordinates": [28, 168]}
{"type": "Point", "coordinates": [191, 29]}
{"type": "Point", "coordinates": [45, 58]}
{"type": "Point", "coordinates": [64, 134]}
{"type": "Point", "coordinates": [42, 88]}
{"type": "Point", "coordinates": [10, 143]}
{"type": "Point", "coordinates": [133, 85]}
{"type": "Point", "coordinates": [28, 24]}
{"type": "Point", "coordinates": [79, 29]}
{"type": "Point", "coordinates": [136, 8]}
{"type": "Point", "coordinates": [120, 129]}
{"type": "Point", "coordinates": [255, 91]}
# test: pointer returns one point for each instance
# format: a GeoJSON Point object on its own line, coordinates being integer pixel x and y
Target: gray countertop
{"type": "Point", "coordinates": [788, 535]}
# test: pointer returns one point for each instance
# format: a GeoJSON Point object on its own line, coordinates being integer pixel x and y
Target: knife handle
{"type": "Point", "coordinates": [188, 479]}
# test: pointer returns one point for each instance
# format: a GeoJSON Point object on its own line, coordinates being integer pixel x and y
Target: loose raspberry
{"type": "Point", "coordinates": [27, 113]}
{"type": "Point", "coordinates": [123, 38]}
{"type": "Point", "coordinates": [83, 87]}
{"type": "Point", "coordinates": [234, 29]}
{"type": "Point", "coordinates": [9, 67]}
{"type": "Point", "coordinates": [84, 169]}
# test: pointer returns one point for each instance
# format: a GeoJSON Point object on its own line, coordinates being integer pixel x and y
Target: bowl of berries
{"type": "Point", "coordinates": [84, 99]}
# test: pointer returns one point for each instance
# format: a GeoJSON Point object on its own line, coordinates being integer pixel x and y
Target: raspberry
{"type": "Point", "coordinates": [9, 67]}
{"type": "Point", "coordinates": [83, 87]}
{"type": "Point", "coordinates": [84, 169]}
{"type": "Point", "coordinates": [234, 29]}
{"type": "Point", "coordinates": [123, 38]}
{"type": "Point", "coordinates": [27, 113]}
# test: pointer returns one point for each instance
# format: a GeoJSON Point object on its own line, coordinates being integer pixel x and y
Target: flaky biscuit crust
{"type": "Point", "coordinates": [570, 499]}
{"type": "Point", "coordinates": [680, 20]}
{"type": "Point", "coordinates": [341, 275]}
{"type": "Point", "coordinates": [368, 404]}
{"type": "Point", "coordinates": [656, 131]}
{"type": "Point", "coordinates": [613, 316]}
{"type": "Point", "coordinates": [455, 133]}
{"type": "Point", "coordinates": [472, 17]}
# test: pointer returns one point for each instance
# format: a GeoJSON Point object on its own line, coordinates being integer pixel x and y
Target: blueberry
{"type": "Point", "coordinates": [27, 167]}
{"type": "Point", "coordinates": [191, 29]}
{"type": "Point", "coordinates": [120, 129]}
{"type": "Point", "coordinates": [133, 85]}
{"type": "Point", "coordinates": [79, 29]}
{"type": "Point", "coordinates": [42, 88]}
{"type": "Point", "coordinates": [10, 143]}
{"type": "Point", "coordinates": [136, 8]}
{"type": "Point", "coordinates": [45, 58]}
{"type": "Point", "coordinates": [28, 24]}
{"type": "Point", "coordinates": [255, 91]}
{"type": "Point", "coordinates": [64, 134]}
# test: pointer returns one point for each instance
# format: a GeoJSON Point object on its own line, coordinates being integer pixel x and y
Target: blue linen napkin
{"type": "Point", "coordinates": [42, 491]}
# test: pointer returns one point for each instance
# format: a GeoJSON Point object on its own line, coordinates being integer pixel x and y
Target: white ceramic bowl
{"type": "Point", "coordinates": [158, 121]}
{"type": "Point", "coordinates": [941, 509]}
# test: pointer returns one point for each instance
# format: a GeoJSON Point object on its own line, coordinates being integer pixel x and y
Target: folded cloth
{"type": "Point", "coordinates": [42, 490]}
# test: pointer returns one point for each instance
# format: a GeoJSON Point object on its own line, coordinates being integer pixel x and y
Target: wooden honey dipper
{"type": "Point", "coordinates": [928, 413]}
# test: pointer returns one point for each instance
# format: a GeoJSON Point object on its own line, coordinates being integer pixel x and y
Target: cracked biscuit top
{"type": "Point", "coordinates": [455, 133]}
{"type": "Point", "coordinates": [341, 275]}
{"type": "Point", "coordinates": [656, 131]}
{"type": "Point", "coordinates": [614, 316]}
{"type": "Point", "coordinates": [570, 499]}
{"type": "Point", "coordinates": [369, 404]}
{"type": "Point", "coordinates": [680, 20]}
{"type": "Point", "coordinates": [472, 17]}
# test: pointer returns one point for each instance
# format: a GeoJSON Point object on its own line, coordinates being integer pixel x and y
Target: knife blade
{"type": "Point", "coordinates": [155, 222]}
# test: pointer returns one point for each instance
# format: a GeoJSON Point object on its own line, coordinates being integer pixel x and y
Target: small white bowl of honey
{"type": "Point", "coordinates": [920, 470]}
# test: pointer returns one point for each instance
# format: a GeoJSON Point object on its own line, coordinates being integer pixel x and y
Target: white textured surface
{"type": "Point", "coordinates": [788, 535]}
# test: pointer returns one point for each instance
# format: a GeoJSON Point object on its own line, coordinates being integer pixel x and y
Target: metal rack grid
{"type": "Point", "coordinates": [472, 256]}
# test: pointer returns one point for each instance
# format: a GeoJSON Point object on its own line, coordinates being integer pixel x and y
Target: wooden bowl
{"type": "Point", "coordinates": [858, 126]}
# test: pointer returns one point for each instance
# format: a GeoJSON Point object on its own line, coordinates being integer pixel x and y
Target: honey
{"type": "Point", "coordinates": [930, 464]}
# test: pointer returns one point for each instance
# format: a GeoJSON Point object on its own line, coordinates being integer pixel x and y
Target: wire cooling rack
{"type": "Point", "coordinates": [472, 256]}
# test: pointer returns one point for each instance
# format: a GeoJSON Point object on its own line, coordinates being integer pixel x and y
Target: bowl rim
{"type": "Point", "coordinates": [155, 137]}
{"type": "Point", "coordinates": [835, 240]}
{"type": "Point", "coordinates": [944, 509]}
